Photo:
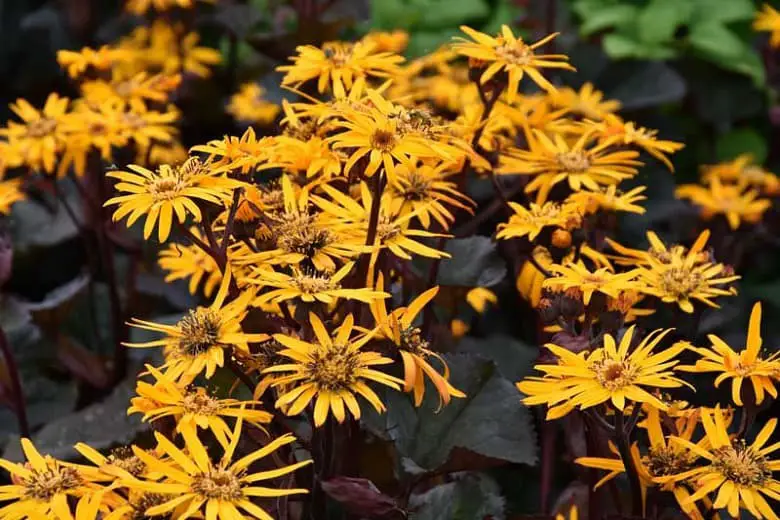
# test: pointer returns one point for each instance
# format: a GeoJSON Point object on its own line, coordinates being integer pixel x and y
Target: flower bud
{"type": "Point", "coordinates": [561, 238]}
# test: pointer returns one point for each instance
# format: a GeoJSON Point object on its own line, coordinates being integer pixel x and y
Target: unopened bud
{"type": "Point", "coordinates": [561, 238]}
{"type": "Point", "coordinates": [549, 309]}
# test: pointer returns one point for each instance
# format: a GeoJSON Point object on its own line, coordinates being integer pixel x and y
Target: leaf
{"type": "Point", "coordinates": [175, 292]}
{"type": "Point", "coordinates": [620, 46]}
{"type": "Point", "coordinates": [60, 296]}
{"type": "Point", "coordinates": [82, 363]}
{"type": "Point", "coordinates": [739, 141]}
{"type": "Point", "coordinates": [474, 263]}
{"type": "Point", "coordinates": [238, 19]}
{"type": "Point", "coordinates": [47, 400]}
{"type": "Point", "coordinates": [6, 256]}
{"type": "Point", "coordinates": [101, 425]}
{"type": "Point", "coordinates": [473, 496]}
{"type": "Point", "coordinates": [32, 224]}
{"type": "Point", "coordinates": [443, 14]}
{"type": "Point", "coordinates": [659, 20]}
{"type": "Point", "coordinates": [609, 16]}
{"type": "Point", "coordinates": [490, 421]}
{"type": "Point", "coordinates": [360, 497]}
{"type": "Point", "coordinates": [647, 84]}
{"type": "Point", "coordinates": [717, 43]}
{"type": "Point", "coordinates": [725, 11]}
{"type": "Point", "coordinates": [513, 359]}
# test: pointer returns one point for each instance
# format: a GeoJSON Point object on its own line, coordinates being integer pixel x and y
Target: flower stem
{"type": "Point", "coordinates": [20, 407]}
{"type": "Point", "coordinates": [622, 441]}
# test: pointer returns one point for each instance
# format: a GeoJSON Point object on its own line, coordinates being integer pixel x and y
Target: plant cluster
{"type": "Point", "coordinates": [317, 250]}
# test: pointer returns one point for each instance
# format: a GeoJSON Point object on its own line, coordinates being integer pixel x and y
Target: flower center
{"type": "Point", "coordinates": [190, 167]}
{"type": "Point", "coordinates": [200, 403]}
{"type": "Point", "coordinates": [133, 121]}
{"type": "Point", "coordinates": [613, 375]}
{"type": "Point", "coordinates": [383, 140]}
{"type": "Point", "coordinates": [165, 188]}
{"type": "Point", "coordinates": [741, 464]}
{"type": "Point", "coordinates": [44, 485]}
{"type": "Point", "coordinates": [412, 340]}
{"type": "Point", "coordinates": [199, 331]}
{"type": "Point", "coordinates": [517, 53]}
{"type": "Point", "coordinates": [338, 53]}
{"type": "Point", "coordinates": [664, 461]}
{"type": "Point", "coordinates": [299, 234]}
{"type": "Point", "coordinates": [123, 457]}
{"type": "Point", "coordinates": [680, 281]}
{"type": "Point", "coordinates": [217, 484]}
{"type": "Point", "coordinates": [313, 283]}
{"type": "Point", "coordinates": [333, 368]}
{"type": "Point", "coordinates": [416, 188]}
{"type": "Point", "coordinates": [575, 161]}
{"type": "Point", "coordinates": [386, 229]}
{"type": "Point", "coordinates": [147, 501]}
{"type": "Point", "coordinates": [41, 127]}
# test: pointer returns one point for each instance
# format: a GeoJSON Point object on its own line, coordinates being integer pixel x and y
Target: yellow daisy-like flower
{"type": "Point", "coordinates": [610, 198]}
{"type": "Point", "coordinates": [39, 138]}
{"type": "Point", "coordinates": [140, 7]}
{"type": "Point", "coordinates": [612, 373]}
{"type": "Point", "coordinates": [198, 342]}
{"type": "Point", "coordinates": [581, 164]}
{"type": "Point", "coordinates": [530, 221]}
{"type": "Point", "coordinates": [222, 490]}
{"type": "Point", "coordinates": [736, 203]}
{"type": "Point", "coordinates": [250, 105]}
{"type": "Point", "coordinates": [10, 193]}
{"type": "Point", "coordinates": [612, 130]}
{"type": "Point", "coordinates": [78, 62]}
{"type": "Point", "coordinates": [308, 285]}
{"type": "Point", "coordinates": [745, 365]}
{"type": "Point", "coordinates": [140, 87]}
{"type": "Point", "coordinates": [43, 486]}
{"type": "Point", "coordinates": [588, 282]}
{"type": "Point", "coordinates": [736, 473]}
{"type": "Point", "coordinates": [661, 253]}
{"type": "Point", "coordinates": [742, 170]}
{"type": "Point", "coordinates": [192, 407]}
{"type": "Point", "coordinates": [342, 66]}
{"type": "Point", "coordinates": [588, 102]}
{"type": "Point", "coordinates": [511, 54]}
{"type": "Point", "coordinates": [312, 157]}
{"type": "Point", "coordinates": [167, 193]}
{"type": "Point", "coordinates": [190, 262]}
{"type": "Point", "coordinates": [398, 327]}
{"type": "Point", "coordinates": [388, 41]}
{"type": "Point", "coordinates": [768, 20]}
{"type": "Point", "coordinates": [243, 154]}
{"type": "Point", "coordinates": [332, 370]}
{"type": "Point", "coordinates": [530, 279]}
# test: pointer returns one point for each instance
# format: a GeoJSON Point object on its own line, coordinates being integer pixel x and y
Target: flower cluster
{"type": "Point", "coordinates": [304, 249]}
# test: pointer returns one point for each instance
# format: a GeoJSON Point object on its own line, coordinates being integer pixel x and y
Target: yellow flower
{"type": "Point", "coordinates": [587, 102]}
{"type": "Point", "coordinates": [530, 221]}
{"type": "Point", "coordinates": [733, 201]}
{"type": "Point", "coordinates": [660, 253]}
{"type": "Point", "coordinates": [147, 127]}
{"type": "Point", "coordinates": [573, 514]}
{"type": "Point", "coordinates": [100, 60]}
{"type": "Point", "coordinates": [398, 327]}
{"type": "Point", "coordinates": [424, 191]}
{"type": "Point", "coordinates": [332, 370]}
{"type": "Point", "coordinates": [738, 474]}
{"type": "Point", "coordinates": [312, 157]}
{"type": "Point", "coordinates": [392, 232]}
{"type": "Point", "coordinates": [768, 20]}
{"type": "Point", "coordinates": [191, 262]}
{"type": "Point", "coordinates": [678, 278]}
{"type": "Point", "coordinates": [308, 285]}
{"type": "Point", "coordinates": [140, 7]}
{"type": "Point", "coordinates": [609, 373]}
{"type": "Point", "coordinates": [43, 486]}
{"type": "Point", "coordinates": [340, 66]}
{"type": "Point", "coordinates": [193, 407]}
{"type": "Point", "coordinates": [216, 489]}
{"type": "Point", "coordinates": [39, 138]}
{"type": "Point", "coordinates": [140, 87]}
{"type": "Point", "coordinates": [612, 130]}
{"type": "Point", "coordinates": [243, 154]}
{"type": "Point", "coordinates": [480, 297]}
{"type": "Point", "coordinates": [742, 170]}
{"type": "Point", "coordinates": [581, 164]}
{"type": "Point", "coordinates": [511, 54]}
{"type": "Point", "coordinates": [387, 41]}
{"type": "Point", "coordinates": [747, 364]}
{"type": "Point", "coordinates": [166, 194]}
{"type": "Point", "coordinates": [92, 127]}
{"type": "Point", "coordinates": [610, 198]}
{"type": "Point", "coordinates": [10, 193]}
{"type": "Point", "coordinates": [379, 133]}
{"type": "Point", "coordinates": [249, 105]}
{"type": "Point", "coordinates": [577, 275]}
{"type": "Point", "coordinates": [197, 343]}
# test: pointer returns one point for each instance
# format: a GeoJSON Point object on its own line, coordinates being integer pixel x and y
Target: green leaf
{"type": "Point", "coordinates": [101, 425]}
{"type": "Point", "coordinates": [391, 14]}
{"type": "Point", "coordinates": [474, 263]}
{"type": "Point", "coordinates": [424, 42]}
{"type": "Point", "coordinates": [722, 10]}
{"type": "Point", "coordinates": [619, 46]}
{"type": "Point", "coordinates": [717, 43]}
{"type": "Point", "coordinates": [658, 21]}
{"type": "Point", "coordinates": [514, 359]}
{"type": "Point", "coordinates": [645, 85]}
{"type": "Point", "coordinates": [32, 224]}
{"type": "Point", "coordinates": [504, 11]}
{"type": "Point", "coordinates": [739, 141]}
{"type": "Point", "coordinates": [445, 14]}
{"type": "Point", "coordinates": [473, 496]}
{"type": "Point", "coordinates": [491, 421]}
{"type": "Point", "coordinates": [612, 16]}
